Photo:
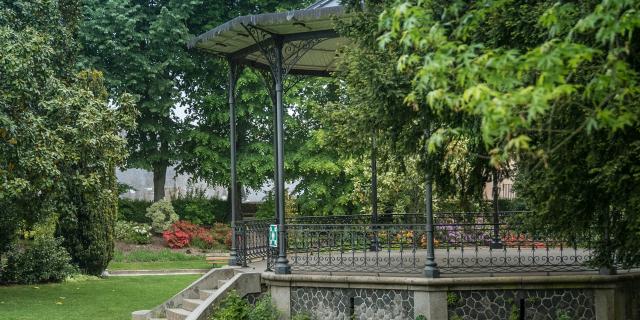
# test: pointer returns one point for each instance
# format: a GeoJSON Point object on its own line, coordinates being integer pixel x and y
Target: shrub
{"type": "Point", "coordinates": [181, 233]}
{"type": "Point", "coordinates": [162, 215]}
{"type": "Point", "coordinates": [184, 233]}
{"type": "Point", "coordinates": [88, 229]}
{"type": "Point", "coordinates": [176, 238]}
{"type": "Point", "coordinates": [221, 235]}
{"type": "Point", "coordinates": [44, 260]}
{"type": "Point", "coordinates": [202, 239]}
{"type": "Point", "coordinates": [131, 232]}
{"type": "Point", "coordinates": [235, 308]}
{"type": "Point", "coordinates": [133, 210]}
{"type": "Point", "coordinates": [197, 208]}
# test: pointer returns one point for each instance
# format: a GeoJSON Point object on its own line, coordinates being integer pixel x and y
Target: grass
{"type": "Point", "coordinates": [113, 298]}
{"type": "Point", "coordinates": [159, 265]}
{"type": "Point", "coordinates": [156, 260]}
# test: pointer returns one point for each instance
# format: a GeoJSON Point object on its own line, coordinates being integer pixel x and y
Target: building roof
{"type": "Point", "coordinates": [316, 23]}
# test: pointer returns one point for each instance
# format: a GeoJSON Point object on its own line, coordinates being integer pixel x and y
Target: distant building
{"type": "Point", "coordinates": [505, 190]}
{"type": "Point", "coordinates": [176, 184]}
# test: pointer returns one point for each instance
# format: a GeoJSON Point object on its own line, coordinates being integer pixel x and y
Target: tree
{"type": "Point", "coordinates": [554, 87]}
{"type": "Point", "coordinates": [370, 102]}
{"type": "Point", "coordinates": [140, 47]}
{"type": "Point", "coordinates": [92, 151]}
{"type": "Point", "coordinates": [59, 136]}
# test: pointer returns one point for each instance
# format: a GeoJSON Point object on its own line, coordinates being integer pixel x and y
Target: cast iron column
{"type": "Point", "coordinates": [374, 193]}
{"type": "Point", "coordinates": [282, 264]}
{"type": "Point", "coordinates": [495, 242]}
{"type": "Point", "coordinates": [233, 255]}
{"type": "Point", "coordinates": [431, 267]}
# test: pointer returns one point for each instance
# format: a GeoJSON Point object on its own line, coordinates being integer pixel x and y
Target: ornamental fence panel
{"type": "Point", "coordinates": [463, 242]}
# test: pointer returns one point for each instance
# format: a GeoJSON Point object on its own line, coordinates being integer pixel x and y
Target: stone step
{"type": "Point", "coordinates": [191, 304]}
{"type": "Point", "coordinates": [222, 282]}
{"type": "Point", "coordinates": [204, 294]}
{"type": "Point", "coordinates": [177, 314]}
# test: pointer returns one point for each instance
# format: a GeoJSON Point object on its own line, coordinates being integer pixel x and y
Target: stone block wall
{"type": "Point", "coordinates": [575, 304]}
{"type": "Point", "coordinates": [342, 303]}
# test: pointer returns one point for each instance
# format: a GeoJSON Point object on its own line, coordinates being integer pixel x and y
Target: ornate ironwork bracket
{"type": "Point", "coordinates": [292, 51]}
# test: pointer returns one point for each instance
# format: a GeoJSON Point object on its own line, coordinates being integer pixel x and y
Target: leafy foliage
{"type": "Point", "coordinates": [59, 135]}
{"type": "Point", "coordinates": [552, 87]}
{"type": "Point", "coordinates": [43, 260]}
{"type": "Point", "coordinates": [235, 308]}
{"type": "Point", "coordinates": [196, 207]}
{"type": "Point", "coordinates": [131, 232]}
{"type": "Point", "coordinates": [162, 215]}
{"type": "Point", "coordinates": [140, 46]}
{"type": "Point", "coordinates": [133, 210]}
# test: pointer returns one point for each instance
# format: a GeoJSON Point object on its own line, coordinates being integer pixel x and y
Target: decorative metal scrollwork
{"type": "Point", "coordinates": [342, 244]}
{"type": "Point", "coordinates": [265, 42]}
{"type": "Point", "coordinates": [292, 51]}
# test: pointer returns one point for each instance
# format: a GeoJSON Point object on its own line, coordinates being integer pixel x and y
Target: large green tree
{"type": "Point", "coordinates": [554, 86]}
{"type": "Point", "coordinates": [141, 48]}
{"type": "Point", "coordinates": [369, 104]}
{"type": "Point", "coordinates": [59, 135]}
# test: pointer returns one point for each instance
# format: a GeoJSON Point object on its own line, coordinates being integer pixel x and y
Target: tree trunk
{"type": "Point", "coordinates": [159, 179]}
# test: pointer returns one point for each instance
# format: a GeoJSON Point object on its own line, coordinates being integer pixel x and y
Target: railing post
{"type": "Point", "coordinates": [282, 264]}
{"type": "Point", "coordinates": [431, 267]}
{"type": "Point", "coordinates": [243, 234]}
{"type": "Point", "coordinates": [496, 243]}
{"type": "Point", "coordinates": [233, 75]}
{"type": "Point", "coordinates": [374, 194]}
{"type": "Point", "coordinates": [611, 268]}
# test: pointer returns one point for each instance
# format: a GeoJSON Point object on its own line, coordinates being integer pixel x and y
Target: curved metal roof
{"type": "Point", "coordinates": [295, 28]}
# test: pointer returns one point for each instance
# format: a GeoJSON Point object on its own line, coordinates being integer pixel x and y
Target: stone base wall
{"type": "Point", "coordinates": [347, 304]}
{"type": "Point", "coordinates": [576, 297]}
{"type": "Point", "coordinates": [575, 304]}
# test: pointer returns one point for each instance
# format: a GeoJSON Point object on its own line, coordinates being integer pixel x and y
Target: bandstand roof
{"type": "Point", "coordinates": [294, 28]}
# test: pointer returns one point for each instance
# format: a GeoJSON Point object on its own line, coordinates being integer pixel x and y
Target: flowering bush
{"type": "Point", "coordinates": [179, 234]}
{"type": "Point", "coordinates": [202, 239]}
{"type": "Point", "coordinates": [131, 232]}
{"type": "Point", "coordinates": [221, 235]}
{"type": "Point", "coordinates": [185, 233]}
{"type": "Point", "coordinates": [162, 215]}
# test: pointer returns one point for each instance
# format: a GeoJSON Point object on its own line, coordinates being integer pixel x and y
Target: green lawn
{"type": "Point", "coordinates": [113, 298]}
{"type": "Point", "coordinates": [142, 259]}
{"type": "Point", "coordinates": [159, 265]}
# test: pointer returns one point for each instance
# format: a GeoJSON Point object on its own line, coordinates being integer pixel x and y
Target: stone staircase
{"type": "Point", "coordinates": [198, 300]}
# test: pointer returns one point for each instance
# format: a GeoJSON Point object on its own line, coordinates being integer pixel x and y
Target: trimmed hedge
{"type": "Point", "coordinates": [133, 210]}
{"type": "Point", "coordinates": [202, 211]}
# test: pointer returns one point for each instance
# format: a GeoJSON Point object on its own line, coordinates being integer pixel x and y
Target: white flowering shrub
{"type": "Point", "coordinates": [162, 215]}
{"type": "Point", "coordinates": [131, 232]}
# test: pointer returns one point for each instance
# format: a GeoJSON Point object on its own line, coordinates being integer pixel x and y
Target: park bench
{"type": "Point", "coordinates": [217, 259]}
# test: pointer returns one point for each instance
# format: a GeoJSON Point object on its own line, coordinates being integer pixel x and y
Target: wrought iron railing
{"type": "Point", "coordinates": [473, 248]}
{"type": "Point", "coordinates": [463, 242]}
{"type": "Point", "coordinates": [252, 238]}
{"type": "Point", "coordinates": [355, 247]}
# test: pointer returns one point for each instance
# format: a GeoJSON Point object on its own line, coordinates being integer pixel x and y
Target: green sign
{"type": "Point", "coordinates": [273, 235]}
